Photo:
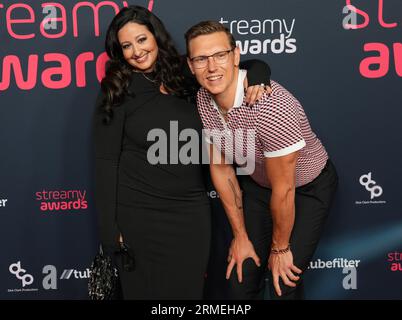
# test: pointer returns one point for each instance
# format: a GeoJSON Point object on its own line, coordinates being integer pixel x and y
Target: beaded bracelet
{"type": "Point", "coordinates": [280, 251]}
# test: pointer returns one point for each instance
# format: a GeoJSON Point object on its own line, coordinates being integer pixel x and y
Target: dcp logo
{"type": "Point", "coordinates": [15, 268]}
{"type": "Point", "coordinates": [366, 181]}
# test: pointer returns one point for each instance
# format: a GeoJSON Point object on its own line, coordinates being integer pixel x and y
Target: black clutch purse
{"type": "Point", "coordinates": [104, 282]}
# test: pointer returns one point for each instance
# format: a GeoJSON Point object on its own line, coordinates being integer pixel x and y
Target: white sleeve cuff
{"type": "Point", "coordinates": [285, 151]}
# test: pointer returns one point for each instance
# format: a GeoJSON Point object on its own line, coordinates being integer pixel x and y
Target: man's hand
{"type": "Point", "coordinates": [241, 248]}
{"type": "Point", "coordinates": [281, 265]}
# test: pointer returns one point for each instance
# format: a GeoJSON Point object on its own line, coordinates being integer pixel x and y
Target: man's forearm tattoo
{"type": "Point", "coordinates": [237, 195]}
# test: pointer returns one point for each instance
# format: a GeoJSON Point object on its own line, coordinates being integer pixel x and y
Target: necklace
{"type": "Point", "coordinates": [223, 112]}
{"type": "Point", "coordinates": [153, 81]}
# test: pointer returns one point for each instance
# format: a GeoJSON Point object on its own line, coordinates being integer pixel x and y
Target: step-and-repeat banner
{"type": "Point", "coordinates": [341, 58]}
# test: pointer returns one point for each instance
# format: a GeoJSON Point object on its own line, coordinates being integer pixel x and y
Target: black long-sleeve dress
{"type": "Point", "coordinates": [161, 210]}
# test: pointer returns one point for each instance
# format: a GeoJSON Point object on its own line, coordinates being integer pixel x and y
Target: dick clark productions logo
{"type": "Point", "coordinates": [370, 185]}
{"type": "Point", "coordinates": [21, 274]}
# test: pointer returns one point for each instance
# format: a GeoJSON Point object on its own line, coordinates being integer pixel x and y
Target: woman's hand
{"type": "Point", "coordinates": [241, 248]}
{"type": "Point", "coordinates": [281, 265]}
{"type": "Point", "coordinates": [254, 93]}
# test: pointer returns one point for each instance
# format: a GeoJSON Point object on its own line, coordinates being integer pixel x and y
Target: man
{"type": "Point", "coordinates": [278, 210]}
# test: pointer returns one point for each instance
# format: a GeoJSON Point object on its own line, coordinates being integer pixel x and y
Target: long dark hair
{"type": "Point", "coordinates": [118, 72]}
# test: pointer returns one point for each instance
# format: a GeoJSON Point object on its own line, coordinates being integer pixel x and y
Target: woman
{"type": "Point", "coordinates": [160, 211]}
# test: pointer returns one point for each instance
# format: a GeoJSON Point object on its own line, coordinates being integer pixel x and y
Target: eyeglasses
{"type": "Point", "coordinates": [220, 57]}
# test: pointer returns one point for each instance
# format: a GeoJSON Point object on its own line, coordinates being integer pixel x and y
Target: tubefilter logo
{"type": "Point", "coordinates": [3, 203]}
{"type": "Point", "coordinates": [349, 269]}
{"type": "Point", "coordinates": [62, 200]}
{"type": "Point", "coordinates": [51, 279]}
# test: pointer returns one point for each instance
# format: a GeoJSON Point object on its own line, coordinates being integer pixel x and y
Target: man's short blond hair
{"type": "Point", "coordinates": [207, 27]}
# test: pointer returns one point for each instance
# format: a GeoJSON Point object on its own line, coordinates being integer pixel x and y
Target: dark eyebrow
{"type": "Point", "coordinates": [140, 36]}
{"type": "Point", "coordinates": [136, 38]}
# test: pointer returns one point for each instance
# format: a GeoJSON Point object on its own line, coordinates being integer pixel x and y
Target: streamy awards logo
{"type": "Point", "coordinates": [395, 261]}
{"type": "Point", "coordinates": [61, 200]}
{"type": "Point", "coordinates": [378, 56]}
{"type": "Point", "coordinates": [54, 21]}
{"type": "Point", "coordinates": [262, 36]}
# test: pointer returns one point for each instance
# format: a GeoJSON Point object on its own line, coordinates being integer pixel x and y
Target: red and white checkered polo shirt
{"type": "Point", "coordinates": [280, 126]}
